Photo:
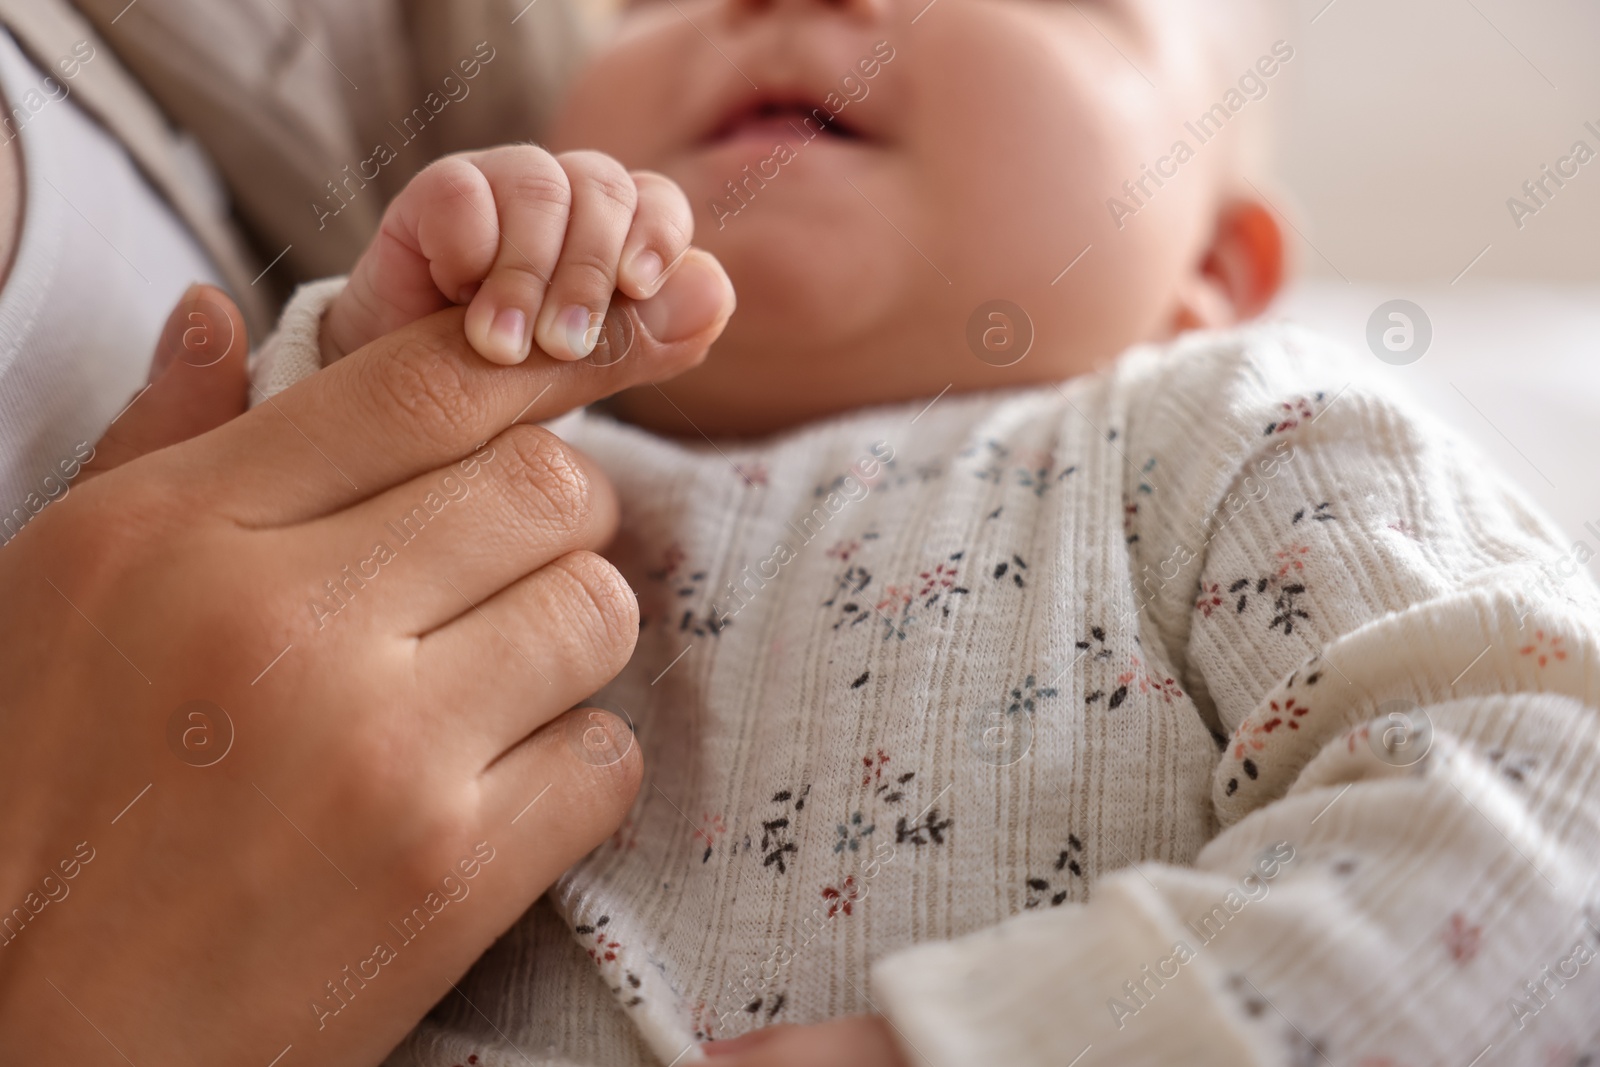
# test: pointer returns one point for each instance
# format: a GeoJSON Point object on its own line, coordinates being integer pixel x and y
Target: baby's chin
{"type": "Point", "coordinates": [802, 281]}
{"type": "Point", "coordinates": [818, 335]}
{"type": "Point", "coordinates": [759, 381]}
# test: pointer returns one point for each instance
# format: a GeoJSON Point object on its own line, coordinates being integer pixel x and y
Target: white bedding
{"type": "Point", "coordinates": [1516, 366]}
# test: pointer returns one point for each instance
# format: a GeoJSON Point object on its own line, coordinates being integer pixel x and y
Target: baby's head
{"type": "Point", "coordinates": [872, 172]}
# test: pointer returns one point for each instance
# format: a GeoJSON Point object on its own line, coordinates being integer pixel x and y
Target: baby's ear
{"type": "Point", "coordinates": [1239, 272]}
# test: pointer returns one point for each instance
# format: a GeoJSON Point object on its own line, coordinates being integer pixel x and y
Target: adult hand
{"type": "Point", "coordinates": [284, 744]}
{"type": "Point", "coordinates": [853, 1041]}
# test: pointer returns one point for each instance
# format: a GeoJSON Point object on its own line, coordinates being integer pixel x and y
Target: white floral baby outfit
{"type": "Point", "coordinates": [1211, 709]}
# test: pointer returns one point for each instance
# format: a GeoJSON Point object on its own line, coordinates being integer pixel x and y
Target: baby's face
{"type": "Point", "coordinates": [975, 147]}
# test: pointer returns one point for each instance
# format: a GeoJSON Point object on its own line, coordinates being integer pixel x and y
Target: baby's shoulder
{"type": "Point", "coordinates": [1272, 360]}
{"type": "Point", "coordinates": [1240, 389]}
{"type": "Point", "coordinates": [1217, 411]}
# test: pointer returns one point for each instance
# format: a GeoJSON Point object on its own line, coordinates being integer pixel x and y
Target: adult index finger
{"type": "Point", "coordinates": [420, 398]}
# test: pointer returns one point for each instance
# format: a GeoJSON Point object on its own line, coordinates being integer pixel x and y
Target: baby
{"type": "Point", "coordinates": [1033, 666]}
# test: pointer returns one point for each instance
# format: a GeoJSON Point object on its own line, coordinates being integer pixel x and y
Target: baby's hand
{"type": "Point", "coordinates": [535, 244]}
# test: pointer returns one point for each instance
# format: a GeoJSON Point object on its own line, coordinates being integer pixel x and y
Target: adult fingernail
{"type": "Point", "coordinates": [697, 296]}
{"type": "Point", "coordinates": [171, 341]}
{"type": "Point", "coordinates": [508, 336]}
{"type": "Point", "coordinates": [645, 270]}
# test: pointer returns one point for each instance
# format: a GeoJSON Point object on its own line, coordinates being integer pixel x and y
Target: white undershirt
{"type": "Point", "coordinates": [101, 260]}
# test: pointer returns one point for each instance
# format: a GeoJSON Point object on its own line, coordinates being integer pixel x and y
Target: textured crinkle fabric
{"type": "Point", "coordinates": [293, 353]}
{"type": "Point", "coordinates": [1212, 708]}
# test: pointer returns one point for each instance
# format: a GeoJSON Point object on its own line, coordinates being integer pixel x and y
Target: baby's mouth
{"type": "Point", "coordinates": [785, 119]}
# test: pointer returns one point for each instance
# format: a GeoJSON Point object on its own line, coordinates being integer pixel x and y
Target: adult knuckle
{"type": "Point", "coordinates": [427, 387]}
{"type": "Point", "coordinates": [548, 475]}
{"type": "Point", "coordinates": [601, 603]}
{"type": "Point", "coordinates": [432, 842]}
{"type": "Point", "coordinates": [618, 775]}
{"type": "Point", "coordinates": [428, 818]}
{"type": "Point", "coordinates": [376, 783]}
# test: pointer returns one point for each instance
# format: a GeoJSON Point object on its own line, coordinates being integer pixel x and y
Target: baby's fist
{"type": "Point", "coordinates": [534, 244]}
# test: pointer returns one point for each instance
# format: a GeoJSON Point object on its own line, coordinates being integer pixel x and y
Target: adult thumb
{"type": "Point", "coordinates": [198, 381]}
{"type": "Point", "coordinates": [676, 325]}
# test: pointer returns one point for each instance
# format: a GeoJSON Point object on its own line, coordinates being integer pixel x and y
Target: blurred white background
{"type": "Point", "coordinates": [1409, 124]}
{"type": "Point", "coordinates": [1404, 128]}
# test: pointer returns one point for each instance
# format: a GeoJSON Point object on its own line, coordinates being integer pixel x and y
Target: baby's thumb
{"type": "Point", "coordinates": [197, 381]}
{"type": "Point", "coordinates": [680, 320]}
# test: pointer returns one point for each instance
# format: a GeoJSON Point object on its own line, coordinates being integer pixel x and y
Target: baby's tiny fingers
{"type": "Point", "coordinates": [603, 202]}
{"type": "Point", "coordinates": [663, 226]}
{"type": "Point", "coordinates": [533, 199]}
{"type": "Point", "coordinates": [438, 238]}
{"type": "Point", "coordinates": [448, 213]}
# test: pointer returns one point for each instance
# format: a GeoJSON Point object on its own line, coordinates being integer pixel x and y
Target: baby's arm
{"type": "Point", "coordinates": [1405, 664]}
{"type": "Point", "coordinates": [534, 244]}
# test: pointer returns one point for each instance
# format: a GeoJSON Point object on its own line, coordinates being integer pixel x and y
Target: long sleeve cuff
{"type": "Point", "coordinates": [1114, 981]}
{"type": "Point", "coordinates": [293, 352]}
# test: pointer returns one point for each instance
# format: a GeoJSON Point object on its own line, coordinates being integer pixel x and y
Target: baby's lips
{"type": "Point", "coordinates": [696, 296]}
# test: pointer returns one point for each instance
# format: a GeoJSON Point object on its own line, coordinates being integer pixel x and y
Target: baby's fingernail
{"type": "Point", "coordinates": [508, 336]}
{"type": "Point", "coordinates": [579, 329]}
{"type": "Point", "coordinates": [645, 268]}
